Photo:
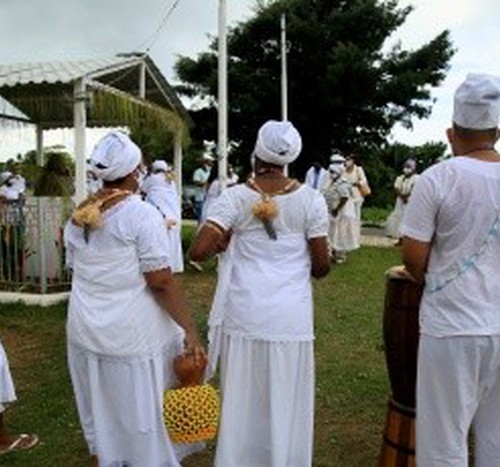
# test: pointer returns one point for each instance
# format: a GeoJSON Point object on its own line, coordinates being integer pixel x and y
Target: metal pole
{"type": "Point", "coordinates": [284, 77]}
{"type": "Point", "coordinates": [80, 122]}
{"type": "Point", "coordinates": [222, 95]}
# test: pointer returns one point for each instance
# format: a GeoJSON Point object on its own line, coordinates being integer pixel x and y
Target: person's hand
{"type": "Point", "coordinates": [194, 347]}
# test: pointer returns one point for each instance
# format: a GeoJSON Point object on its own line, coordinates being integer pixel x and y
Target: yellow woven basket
{"type": "Point", "coordinates": [191, 413]}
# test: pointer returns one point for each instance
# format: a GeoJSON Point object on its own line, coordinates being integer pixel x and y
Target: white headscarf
{"type": "Point", "coordinates": [476, 103]}
{"type": "Point", "coordinates": [115, 156]}
{"type": "Point", "coordinates": [159, 166]}
{"type": "Point", "coordinates": [278, 143]}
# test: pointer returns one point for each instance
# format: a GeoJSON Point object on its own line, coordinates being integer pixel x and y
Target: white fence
{"type": "Point", "coordinates": [31, 245]}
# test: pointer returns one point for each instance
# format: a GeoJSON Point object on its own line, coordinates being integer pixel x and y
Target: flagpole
{"type": "Point", "coordinates": [222, 95]}
{"type": "Point", "coordinates": [284, 76]}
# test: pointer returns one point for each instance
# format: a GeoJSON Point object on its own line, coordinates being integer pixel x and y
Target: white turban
{"type": "Point", "coordinates": [159, 166]}
{"type": "Point", "coordinates": [115, 156]}
{"type": "Point", "coordinates": [476, 104]}
{"type": "Point", "coordinates": [278, 143]}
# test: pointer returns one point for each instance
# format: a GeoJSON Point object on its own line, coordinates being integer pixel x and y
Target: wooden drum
{"type": "Point", "coordinates": [401, 333]}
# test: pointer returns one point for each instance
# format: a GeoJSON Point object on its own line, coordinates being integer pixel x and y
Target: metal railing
{"type": "Point", "coordinates": [31, 245]}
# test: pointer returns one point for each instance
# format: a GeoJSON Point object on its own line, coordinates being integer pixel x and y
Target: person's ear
{"type": "Point", "coordinates": [450, 134]}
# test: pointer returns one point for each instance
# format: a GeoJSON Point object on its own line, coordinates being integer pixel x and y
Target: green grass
{"type": "Point", "coordinates": [352, 385]}
{"type": "Point", "coordinates": [374, 217]}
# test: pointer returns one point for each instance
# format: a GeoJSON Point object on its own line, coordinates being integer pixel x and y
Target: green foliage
{"type": "Point", "coordinates": [56, 178]}
{"type": "Point", "coordinates": [345, 93]}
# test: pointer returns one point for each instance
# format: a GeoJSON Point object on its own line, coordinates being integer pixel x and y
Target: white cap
{"type": "Point", "coordinates": [159, 166]}
{"type": "Point", "coordinates": [208, 157]}
{"type": "Point", "coordinates": [336, 158]}
{"type": "Point", "coordinates": [278, 143]}
{"type": "Point", "coordinates": [476, 104]}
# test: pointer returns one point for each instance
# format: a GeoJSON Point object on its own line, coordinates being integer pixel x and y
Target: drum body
{"type": "Point", "coordinates": [401, 335]}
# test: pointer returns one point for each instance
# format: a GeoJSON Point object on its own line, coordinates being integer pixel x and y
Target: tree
{"type": "Point", "coordinates": [345, 92]}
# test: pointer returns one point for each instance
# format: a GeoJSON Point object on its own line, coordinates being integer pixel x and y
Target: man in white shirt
{"type": "Point", "coordinates": [200, 177]}
{"type": "Point", "coordinates": [451, 240]}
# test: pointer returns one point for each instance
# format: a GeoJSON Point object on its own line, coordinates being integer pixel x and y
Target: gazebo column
{"type": "Point", "coordinates": [39, 146]}
{"type": "Point", "coordinates": [80, 123]}
{"type": "Point", "coordinates": [178, 164]}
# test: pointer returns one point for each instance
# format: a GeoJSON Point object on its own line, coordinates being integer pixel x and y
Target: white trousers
{"type": "Point", "coordinates": [458, 386]}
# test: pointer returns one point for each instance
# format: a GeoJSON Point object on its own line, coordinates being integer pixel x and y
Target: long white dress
{"type": "Point", "coordinates": [7, 390]}
{"type": "Point", "coordinates": [404, 185]}
{"type": "Point", "coordinates": [343, 232]}
{"type": "Point", "coordinates": [161, 193]}
{"type": "Point", "coordinates": [120, 342]}
{"type": "Point", "coordinates": [261, 326]}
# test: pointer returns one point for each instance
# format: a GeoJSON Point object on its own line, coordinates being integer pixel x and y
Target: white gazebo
{"type": "Point", "coordinates": [109, 92]}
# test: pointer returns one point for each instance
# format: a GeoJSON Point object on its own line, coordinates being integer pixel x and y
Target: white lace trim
{"type": "Point", "coordinates": [154, 264]}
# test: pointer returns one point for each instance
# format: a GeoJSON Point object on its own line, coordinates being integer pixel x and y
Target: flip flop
{"type": "Point", "coordinates": [21, 442]}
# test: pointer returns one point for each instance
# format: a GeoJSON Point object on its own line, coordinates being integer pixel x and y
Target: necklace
{"type": "Point", "coordinates": [290, 186]}
{"type": "Point", "coordinates": [487, 153]}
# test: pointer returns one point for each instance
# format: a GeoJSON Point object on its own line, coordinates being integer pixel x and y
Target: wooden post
{"type": "Point", "coordinates": [222, 95]}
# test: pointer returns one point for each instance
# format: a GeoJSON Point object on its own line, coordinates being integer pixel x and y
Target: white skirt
{"type": "Point", "coordinates": [176, 255]}
{"type": "Point", "coordinates": [344, 233]}
{"type": "Point", "coordinates": [119, 402]}
{"type": "Point", "coordinates": [7, 391]}
{"type": "Point", "coordinates": [267, 414]}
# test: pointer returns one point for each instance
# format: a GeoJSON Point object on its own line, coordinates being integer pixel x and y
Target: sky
{"type": "Point", "coordinates": [58, 30]}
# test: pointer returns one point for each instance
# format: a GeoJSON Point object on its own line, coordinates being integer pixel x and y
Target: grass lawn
{"type": "Point", "coordinates": [352, 385]}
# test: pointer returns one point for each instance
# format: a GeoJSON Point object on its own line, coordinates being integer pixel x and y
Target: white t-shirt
{"type": "Point", "coordinates": [454, 206]}
{"type": "Point", "coordinates": [268, 289]}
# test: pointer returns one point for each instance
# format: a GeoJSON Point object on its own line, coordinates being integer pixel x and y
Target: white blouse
{"type": "Point", "coordinates": [111, 309]}
{"type": "Point", "coordinates": [266, 292]}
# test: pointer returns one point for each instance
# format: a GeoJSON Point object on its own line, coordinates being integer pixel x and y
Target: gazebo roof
{"type": "Point", "coordinates": [44, 92]}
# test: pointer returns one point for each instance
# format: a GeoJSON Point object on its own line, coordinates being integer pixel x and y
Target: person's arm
{"type": "Point", "coordinates": [166, 291]}
{"type": "Point", "coordinates": [210, 240]}
{"type": "Point", "coordinates": [320, 259]}
{"type": "Point", "coordinates": [341, 204]}
{"type": "Point", "coordinates": [415, 257]}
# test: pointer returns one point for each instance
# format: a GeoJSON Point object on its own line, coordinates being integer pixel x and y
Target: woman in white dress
{"type": "Point", "coordinates": [403, 186]}
{"type": "Point", "coordinates": [343, 234]}
{"type": "Point", "coordinates": [356, 176]}
{"type": "Point", "coordinates": [261, 322]}
{"type": "Point", "coordinates": [126, 319]}
{"type": "Point", "coordinates": [159, 190]}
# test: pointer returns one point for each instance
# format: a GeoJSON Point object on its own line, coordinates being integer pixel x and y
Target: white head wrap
{"type": "Point", "coordinates": [208, 158]}
{"type": "Point", "coordinates": [336, 168]}
{"type": "Point", "coordinates": [477, 102]}
{"type": "Point", "coordinates": [115, 156]}
{"type": "Point", "coordinates": [159, 166]}
{"type": "Point", "coordinates": [278, 143]}
{"type": "Point", "coordinates": [411, 164]}
{"type": "Point", "coordinates": [337, 159]}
